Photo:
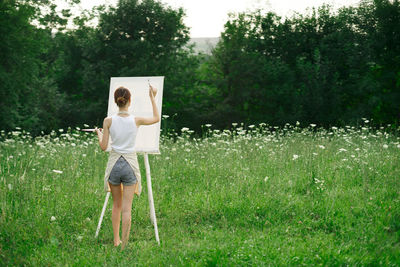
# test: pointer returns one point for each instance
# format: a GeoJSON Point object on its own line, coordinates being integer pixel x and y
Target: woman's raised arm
{"type": "Point", "coordinates": [156, 116]}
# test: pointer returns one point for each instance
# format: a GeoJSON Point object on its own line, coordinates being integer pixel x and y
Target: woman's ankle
{"type": "Point", "coordinates": [117, 243]}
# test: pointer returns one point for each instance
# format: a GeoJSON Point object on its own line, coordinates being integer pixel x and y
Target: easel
{"type": "Point", "coordinates": [146, 147]}
{"type": "Point", "coordinates": [151, 201]}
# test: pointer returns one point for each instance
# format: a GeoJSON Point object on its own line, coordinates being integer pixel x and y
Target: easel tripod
{"type": "Point", "coordinates": [151, 201]}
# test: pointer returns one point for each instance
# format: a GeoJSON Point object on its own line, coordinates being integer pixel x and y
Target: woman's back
{"type": "Point", "coordinates": [123, 132]}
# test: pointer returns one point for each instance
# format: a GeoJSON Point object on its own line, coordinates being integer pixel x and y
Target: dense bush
{"type": "Point", "coordinates": [325, 67]}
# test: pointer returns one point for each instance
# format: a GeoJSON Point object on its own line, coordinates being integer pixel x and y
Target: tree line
{"type": "Point", "coordinates": [325, 67]}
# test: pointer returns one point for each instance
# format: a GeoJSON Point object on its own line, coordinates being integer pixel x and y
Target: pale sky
{"type": "Point", "coordinates": [206, 18]}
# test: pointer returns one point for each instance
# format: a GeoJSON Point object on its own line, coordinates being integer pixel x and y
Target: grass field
{"type": "Point", "coordinates": [256, 196]}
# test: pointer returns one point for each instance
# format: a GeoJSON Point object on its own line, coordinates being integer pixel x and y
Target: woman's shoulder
{"type": "Point", "coordinates": [108, 120]}
{"type": "Point", "coordinates": [136, 120]}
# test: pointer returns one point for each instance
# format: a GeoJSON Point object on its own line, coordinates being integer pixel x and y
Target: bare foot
{"type": "Point", "coordinates": [118, 243]}
{"type": "Point", "coordinates": [123, 245]}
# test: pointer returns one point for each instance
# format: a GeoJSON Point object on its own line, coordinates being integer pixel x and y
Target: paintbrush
{"type": "Point", "coordinates": [88, 130]}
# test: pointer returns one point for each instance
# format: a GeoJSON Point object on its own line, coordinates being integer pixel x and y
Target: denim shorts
{"type": "Point", "coordinates": [122, 173]}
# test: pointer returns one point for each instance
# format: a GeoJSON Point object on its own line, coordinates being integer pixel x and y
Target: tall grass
{"type": "Point", "coordinates": [258, 195]}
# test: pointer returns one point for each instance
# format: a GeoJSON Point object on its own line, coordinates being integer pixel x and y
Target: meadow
{"type": "Point", "coordinates": [250, 196]}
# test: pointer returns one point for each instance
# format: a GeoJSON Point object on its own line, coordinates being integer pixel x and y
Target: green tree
{"type": "Point", "coordinates": [136, 38]}
{"type": "Point", "coordinates": [29, 96]}
{"type": "Point", "coordinates": [323, 67]}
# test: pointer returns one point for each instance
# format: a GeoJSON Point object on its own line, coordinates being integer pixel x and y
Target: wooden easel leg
{"type": "Point", "coordinates": [150, 193]}
{"type": "Point", "coordinates": [102, 214]}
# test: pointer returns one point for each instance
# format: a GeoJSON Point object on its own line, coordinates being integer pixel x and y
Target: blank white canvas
{"type": "Point", "coordinates": [148, 136]}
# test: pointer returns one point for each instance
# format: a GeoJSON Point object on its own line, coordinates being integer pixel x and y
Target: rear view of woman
{"type": "Point", "coordinates": [122, 174]}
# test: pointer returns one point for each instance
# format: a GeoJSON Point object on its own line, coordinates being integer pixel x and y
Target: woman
{"type": "Point", "coordinates": [122, 166]}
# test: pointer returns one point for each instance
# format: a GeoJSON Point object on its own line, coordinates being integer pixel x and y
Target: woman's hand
{"type": "Point", "coordinates": [98, 130]}
{"type": "Point", "coordinates": [152, 91]}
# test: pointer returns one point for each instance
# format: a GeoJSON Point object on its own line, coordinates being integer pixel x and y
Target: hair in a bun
{"type": "Point", "coordinates": [121, 101]}
{"type": "Point", "coordinates": [122, 96]}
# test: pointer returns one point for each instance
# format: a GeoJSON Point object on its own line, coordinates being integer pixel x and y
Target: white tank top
{"type": "Point", "coordinates": [123, 132]}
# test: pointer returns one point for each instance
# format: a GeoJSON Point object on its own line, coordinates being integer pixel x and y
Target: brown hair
{"type": "Point", "coordinates": [122, 96]}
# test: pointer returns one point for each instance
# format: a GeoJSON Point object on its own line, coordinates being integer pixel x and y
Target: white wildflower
{"type": "Point", "coordinates": [165, 116]}
{"type": "Point", "coordinates": [57, 171]}
{"type": "Point", "coordinates": [52, 218]}
{"type": "Point", "coordinates": [398, 146]}
{"type": "Point", "coordinates": [88, 219]}
{"type": "Point", "coordinates": [266, 178]}
{"type": "Point", "coordinates": [234, 124]}
{"type": "Point", "coordinates": [251, 126]}
{"type": "Point", "coordinates": [313, 125]}
{"type": "Point", "coordinates": [297, 123]}
{"type": "Point", "coordinates": [61, 130]}
{"type": "Point", "coordinates": [9, 186]}
{"type": "Point", "coordinates": [79, 238]}
{"type": "Point", "coordinates": [184, 129]}
{"type": "Point", "coordinates": [385, 146]}
{"type": "Point", "coordinates": [83, 155]}
{"type": "Point", "coordinates": [321, 146]}
{"type": "Point", "coordinates": [208, 125]}
{"type": "Point", "coordinates": [342, 150]}
{"type": "Point", "coordinates": [295, 157]}
{"type": "Point", "coordinates": [366, 121]}
{"type": "Point", "coordinates": [334, 128]}
{"type": "Point", "coordinates": [315, 154]}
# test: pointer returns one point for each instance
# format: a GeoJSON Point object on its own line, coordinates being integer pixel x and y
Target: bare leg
{"type": "Point", "coordinates": [116, 191]}
{"type": "Point", "coordinates": [126, 213]}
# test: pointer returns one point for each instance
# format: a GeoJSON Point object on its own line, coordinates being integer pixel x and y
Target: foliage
{"type": "Point", "coordinates": [324, 67]}
{"type": "Point", "coordinates": [29, 95]}
{"type": "Point", "coordinates": [53, 77]}
{"type": "Point", "coordinates": [133, 39]}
